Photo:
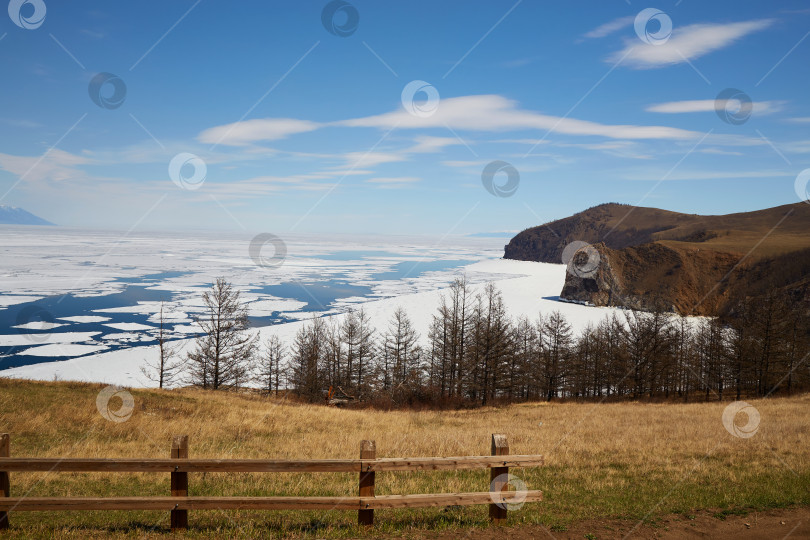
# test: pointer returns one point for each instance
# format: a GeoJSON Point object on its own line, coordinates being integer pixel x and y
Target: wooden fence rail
{"type": "Point", "coordinates": [179, 466]}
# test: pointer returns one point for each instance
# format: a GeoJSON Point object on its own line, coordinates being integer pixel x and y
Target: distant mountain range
{"type": "Point", "coordinates": [691, 264]}
{"type": "Point", "coordinates": [10, 215]}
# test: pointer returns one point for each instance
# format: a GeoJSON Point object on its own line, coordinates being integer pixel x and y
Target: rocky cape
{"type": "Point", "coordinates": [647, 258]}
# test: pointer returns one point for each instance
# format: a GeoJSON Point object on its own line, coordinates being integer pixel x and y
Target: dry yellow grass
{"type": "Point", "coordinates": [624, 460]}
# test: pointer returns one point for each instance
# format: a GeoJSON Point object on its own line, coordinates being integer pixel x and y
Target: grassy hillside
{"type": "Point", "coordinates": [627, 460]}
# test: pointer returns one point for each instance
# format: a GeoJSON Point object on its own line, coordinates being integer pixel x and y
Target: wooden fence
{"type": "Point", "coordinates": [179, 466]}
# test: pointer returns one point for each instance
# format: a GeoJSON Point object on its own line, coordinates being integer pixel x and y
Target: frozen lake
{"type": "Point", "coordinates": [68, 293]}
{"type": "Point", "coordinates": [82, 305]}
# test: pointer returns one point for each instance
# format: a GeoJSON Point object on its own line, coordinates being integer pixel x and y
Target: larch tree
{"type": "Point", "coordinates": [357, 334]}
{"type": "Point", "coordinates": [308, 358]}
{"type": "Point", "coordinates": [557, 338]}
{"type": "Point", "coordinates": [268, 368]}
{"type": "Point", "coordinates": [403, 355]}
{"type": "Point", "coordinates": [223, 354]}
{"type": "Point", "coordinates": [166, 369]}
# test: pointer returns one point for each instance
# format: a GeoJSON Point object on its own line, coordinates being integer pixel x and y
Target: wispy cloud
{"type": "Point", "coordinates": [797, 147]}
{"type": "Point", "coordinates": [492, 113]}
{"type": "Point", "coordinates": [56, 165]}
{"type": "Point", "coordinates": [263, 185]}
{"type": "Point", "coordinates": [20, 123]}
{"type": "Point", "coordinates": [426, 144]}
{"type": "Point", "coordinates": [712, 175]}
{"type": "Point", "coordinates": [799, 120]}
{"type": "Point", "coordinates": [393, 182]}
{"type": "Point", "coordinates": [530, 142]}
{"type": "Point", "coordinates": [609, 27]}
{"type": "Point", "coordinates": [686, 43]}
{"type": "Point", "coordinates": [720, 152]}
{"type": "Point", "coordinates": [371, 159]}
{"type": "Point", "coordinates": [708, 105]}
{"type": "Point", "coordinates": [250, 131]}
{"type": "Point", "coordinates": [497, 113]}
{"type": "Point", "coordinates": [625, 149]}
{"type": "Point", "coordinates": [465, 163]}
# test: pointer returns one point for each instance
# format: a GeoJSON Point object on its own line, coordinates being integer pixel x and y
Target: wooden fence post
{"type": "Point", "coordinates": [179, 519]}
{"type": "Point", "coordinates": [368, 450]}
{"type": "Point", "coordinates": [5, 487]}
{"type": "Point", "coordinates": [500, 447]}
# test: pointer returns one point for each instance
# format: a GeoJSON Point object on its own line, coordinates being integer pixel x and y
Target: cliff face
{"type": "Point", "coordinates": [651, 276]}
{"type": "Point", "coordinates": [655, 259]}
{"type": "Point", "coordinates": [591, 279]}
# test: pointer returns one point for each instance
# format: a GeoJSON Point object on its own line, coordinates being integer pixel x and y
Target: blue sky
{"type": "Point", "coordinates": [303, 130]}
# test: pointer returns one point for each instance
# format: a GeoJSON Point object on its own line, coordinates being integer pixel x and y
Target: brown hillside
{"type": "Point", "coordinates": [651, 258]}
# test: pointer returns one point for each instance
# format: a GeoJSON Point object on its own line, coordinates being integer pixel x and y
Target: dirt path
{"type": "Point", "coordinates": [790, 524]}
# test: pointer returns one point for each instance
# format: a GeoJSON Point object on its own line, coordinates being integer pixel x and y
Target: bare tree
{"type": "Point", "coordinates": [224, 352]}
{"type": "Point", "coordinates": [268, 368]}
{"type": "Point", "coordinates": [357, 333]}
{"type": "Point", "coordinates": [557, 339]}
{"type": "Point", "coordinates": [492, 344]}
{"type": "Point", "coordinates": [402, 356]}
{"type": "Point", "coordinates": [168, 366]}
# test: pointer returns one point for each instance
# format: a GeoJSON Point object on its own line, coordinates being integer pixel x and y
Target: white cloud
{"type": "Point", "coordinates": [712, 175]}
{"type": "Point", "coordinates": [497, 113]}
{"type": "Point", "coordinates": [393, 182]}
{"type": "Point", "coordinates": [625, 149]}
{"type": "Point", "coordinates": [708, 105]}
{"type": "Point", "coordinates": [530, 142]}
{"type": "Point", "coordinates": [463, 163]}
{"type": "Point", "coordinates": [491, 113]}
{"type": "Point", "coordinates": [262, 185]}
{"type": "Point", "coordinates": [250, 131]}
{"type": "Point", "coordinates": [720, 151]}
{"type": "Point", "coordinates": [686, 43]}
{"type": "Point", "coordinates": [610, 27]}
{"type": "Point", "coordinates": [427, 144]}
{"type": "Point", "coordinates": [370, 159]}
{"type": "Point", "coordinates": [797, 147]}
{"type": "Point", "coordinates": [56, 165]}
{"type": "Point", "coordinates": [730, 139]}
{"type": "Point", "coordinates": [800, 120]}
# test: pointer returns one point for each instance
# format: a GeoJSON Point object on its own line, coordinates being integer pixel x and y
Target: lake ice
{"type": "Point", "coordinates": [84, 305]}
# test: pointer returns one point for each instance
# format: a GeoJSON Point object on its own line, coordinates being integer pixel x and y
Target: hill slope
{"type": "Point", "coordinates": [650, 447]}
{"type": "Point", "coordinates": [686, 263]}
{"type": "Point", "coordinates": [10, 215]}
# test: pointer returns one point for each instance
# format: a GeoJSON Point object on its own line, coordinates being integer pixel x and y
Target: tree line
{"type": "Point", "coordinates": [475, 353]}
